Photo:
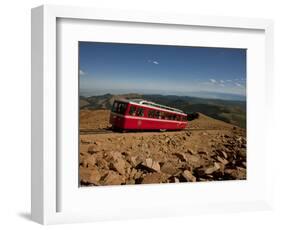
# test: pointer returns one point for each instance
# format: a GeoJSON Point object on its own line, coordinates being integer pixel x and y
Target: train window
{"type": "Point", "coordinates": [178, 118]}
{"type": "Point", "coordinates": [167, 116]}
{"type": "Point", "coordinates": [132, 110]}
{"type": "Point", "coordinates": [151, 113]}
{"type": "Point", "coordinates": [122, 108]}
{"type": "Point", "coordinates": [119, 107]}
{"type": "Point", "coordinates": [157, 114]}
{"type": "Point", "coordinates": [114, 107]}
{"type": "Point", "coordinates": [140, 112]}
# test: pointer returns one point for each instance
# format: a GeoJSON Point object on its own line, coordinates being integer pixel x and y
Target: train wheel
{"type": "Point", "coordinates": [163, 130]}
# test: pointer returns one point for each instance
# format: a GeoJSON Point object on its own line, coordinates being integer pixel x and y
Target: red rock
{"type": "Point", "coordinates": [220, 166]}
{"type": "Point", "coordinates": [223, 161]}
{"type": "Point", "coordinates": [151, 165]}
{"type": "Point", "coordinates": [188, 176]}
{"type": "Point", "coordinates": [238, 173]}
{"type": "Point", "coordinates": [212, 169]}
{"type": "Point", "coordinates": [135, 161]}
{"type": "Point", "coordinates": [224, 154]}
{"type": "Point", "coordinates": [113, 178]}
{"type": "Point", "coordinates": [88, 175]}
{"type": "Point", "coordinates": [118, 165]}
{"type": "Point", "coordinates": [154, 178]}
{"type": "Point", "coordinates": [181, 156]}
{"type": "Point", "coordinates": [194, 160]}
{"type": "Point", "coordinates": [169, 168]}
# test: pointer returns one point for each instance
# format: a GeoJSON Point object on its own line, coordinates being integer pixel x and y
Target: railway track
{"type": "Point", "coordinates": [95, 131]}
{"type": "Point", "coordinates": [107, 131]}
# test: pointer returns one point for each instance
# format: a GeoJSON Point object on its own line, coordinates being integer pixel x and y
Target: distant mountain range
{"type": "Point", "coordinates": [200, 94]}
{"type": "Point", "coordinates": [231, 111]}
{"type": "Point", "coordinates": [217, 95]}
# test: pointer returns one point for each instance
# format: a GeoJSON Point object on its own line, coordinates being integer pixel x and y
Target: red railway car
{"type": "Point", "coordinates": [145, 115]}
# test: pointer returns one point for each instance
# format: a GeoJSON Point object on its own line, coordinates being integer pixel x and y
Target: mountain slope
{"type": "Point", "coordinates": [233, 112]}
{"type": "Point", "coordinates": [210, 150]}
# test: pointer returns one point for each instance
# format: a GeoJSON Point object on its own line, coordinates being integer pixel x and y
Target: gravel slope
{"type": "Point", "coordinates": [215, 152]}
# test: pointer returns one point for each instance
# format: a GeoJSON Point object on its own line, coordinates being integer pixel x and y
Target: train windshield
{"type": "Point", "coordinates": [119, 107]}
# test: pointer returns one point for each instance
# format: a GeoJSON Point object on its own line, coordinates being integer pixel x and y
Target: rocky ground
{"type": "Point", "coordinates": [210, 151]}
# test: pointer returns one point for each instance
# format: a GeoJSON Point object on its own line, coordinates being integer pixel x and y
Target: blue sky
{"type": "Point", "coordinates": [179, 70]}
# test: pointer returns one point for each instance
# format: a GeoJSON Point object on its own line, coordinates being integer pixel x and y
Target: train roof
{"type": "Point", "coordinates": [150, 104]}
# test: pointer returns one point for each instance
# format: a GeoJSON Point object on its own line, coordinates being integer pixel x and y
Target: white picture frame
{"type": "Point", "coordinates": [48, 177]}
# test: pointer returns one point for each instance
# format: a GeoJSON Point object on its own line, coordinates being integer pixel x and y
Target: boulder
{"type": "Point", "coordinates": [116, 162]}
{"type": "Point", "coordinates": [169, 168]}
{"type": "Point", "coordinates": [118, 165]}
{"type": "Point", "coordinates": [135, 161]}
{"type": "Point", "coordinates": [87, 160]}
{"type": "Point", "coordinates": [91, 176]}
{"type": "Point", "coordinates": [194, 160]}
{"type": "Point", "coordinates": [113, 178]}
{"type": "Point", "coordinates": [181, 156]}
{"type": "Point", "coordinates": [223, 161]}
{"type": "Point", "coordinates": [222, 153]}
{"type": "Point", "coordinates": [154, 178]}
{"type": "Point", "coordinates": [239, 173]}
{"type": "Point", "coordinates": [212, 169]}
{"type": "Point", "coordinates": [188, 176]}
{"type": "Point", "coordinates": [150, 165]}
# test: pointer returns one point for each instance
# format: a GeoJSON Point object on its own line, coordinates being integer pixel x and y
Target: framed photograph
{"type": "Point", "coordinates": [141, 114]}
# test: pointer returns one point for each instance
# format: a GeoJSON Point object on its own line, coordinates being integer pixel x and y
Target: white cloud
{"type": "Point", "coordinates": [81, 72]}
{"type": "Point", "coordinates": [238, 85]}
{"type": "Point", "coordinates": [221, 81]}
{"type": "Point", "coordinates": [153, 62]}
{"type": "Point", "coordinates": [229, 80]}
{"type": "Point", "coordinates": [213, 80]}
{"type": "Point", "coordinates": [222, 85]}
